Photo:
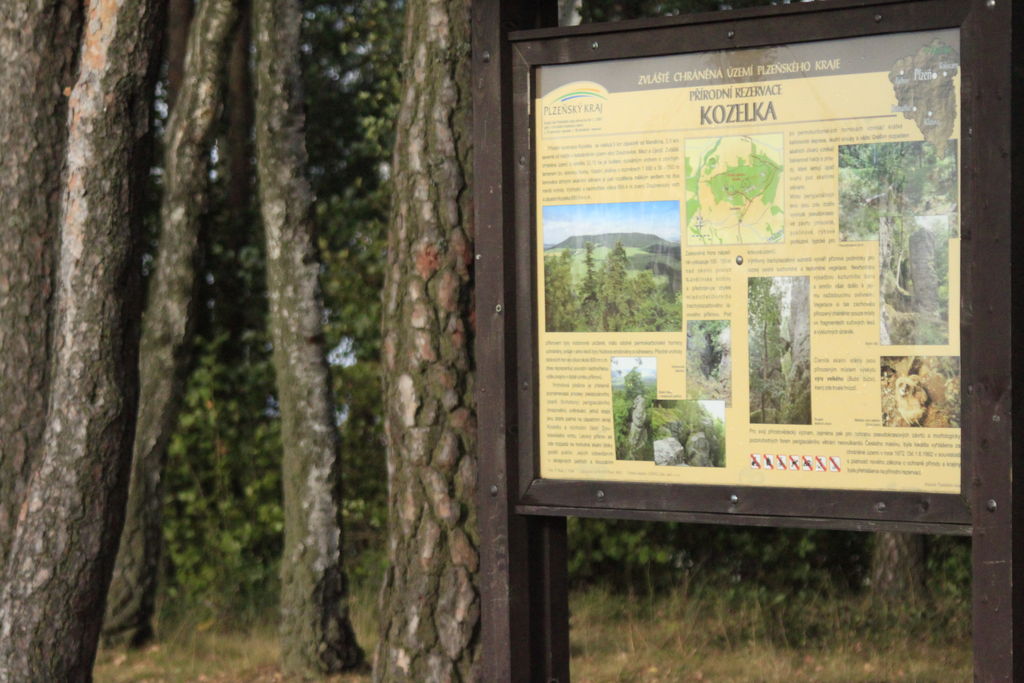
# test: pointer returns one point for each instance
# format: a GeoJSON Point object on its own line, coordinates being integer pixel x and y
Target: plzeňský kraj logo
{"type": "Point", "coordinates": [574, 99]}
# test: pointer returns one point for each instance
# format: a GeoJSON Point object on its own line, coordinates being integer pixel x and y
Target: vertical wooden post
{"type": "Point", "coordinates": [522, 561]}
{"type": "Point", "coordinates": [994, 434]}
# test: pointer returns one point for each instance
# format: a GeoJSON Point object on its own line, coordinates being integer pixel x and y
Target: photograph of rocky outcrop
{"type": "Point", "coordinates": [778, 317]}
{"type": "Point", "coordinates": [895, 180]}
{"type": "Point", "coordinates": [920, 391]}
{"type": "Point", "coordinates": [612, 267]}
{"type": "Point", "coordinates": [634, 388]}
{"type": "Point", "coordinates": [709, 360]}
{"type": "Point", "coordinates": [905, 196]}
{"type": "Point", "coordinates": [688, 433]}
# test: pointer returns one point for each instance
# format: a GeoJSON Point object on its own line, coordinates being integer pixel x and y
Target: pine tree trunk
{"type": "Point", "coordinates": [179, 20]}
{"type": "Point", "coordinates": [238, 147]}
{"type": "Point", "coordinates": [37, 50]}
{"type": "Point", "coordinates": [167, 324]}
{"type": "Point", "coordinates": [62, 553]}
{"type": "Point", "coordinates": [897, 566]}
{"type": "Point", "coordinates": [430, 606]}
{"type": "Point", "coordinates": [316, 636]}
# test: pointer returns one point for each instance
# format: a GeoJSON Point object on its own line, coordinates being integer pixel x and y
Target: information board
{"type": "Point", "coordinates": [748, 266]}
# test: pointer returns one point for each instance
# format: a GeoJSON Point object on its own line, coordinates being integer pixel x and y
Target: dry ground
{"type": "Point", "coordinates": [624, 638]}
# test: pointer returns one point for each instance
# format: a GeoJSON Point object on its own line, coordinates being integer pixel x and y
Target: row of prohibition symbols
{"type": "Point", "coordinates": [796, 463]}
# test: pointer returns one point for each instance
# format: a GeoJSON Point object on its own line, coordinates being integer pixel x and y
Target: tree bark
{"type": "Point", "coordinates": [897, 566]}
{"type": "Point", "coordinates": [238, 147]}
{"type": "Point", "coordinates": [179, 20]}
{"type": "Point", "coordinates": [168, 322]}
{"type": "Point", "coordinates": [37, 47]}
{"type": "Point", "coordinates": [430, 606]}
{"type": "Point", "coordinates": [316, 636]}
{"type": "Point", "coordinates": [62, 553]}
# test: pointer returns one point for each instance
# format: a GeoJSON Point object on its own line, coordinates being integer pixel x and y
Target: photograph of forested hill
{"type": "Point", "coordinates": [612, 267]}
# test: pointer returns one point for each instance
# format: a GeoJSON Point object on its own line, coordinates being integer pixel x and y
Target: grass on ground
{"type": "Point", "coordinates": [625, 638]}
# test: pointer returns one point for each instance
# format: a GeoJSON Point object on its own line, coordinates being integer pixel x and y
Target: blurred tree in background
{"type": "Point", "coordinates": [223, 519]}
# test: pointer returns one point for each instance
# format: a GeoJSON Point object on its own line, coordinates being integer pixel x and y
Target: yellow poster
{"type": "Point", "coordinates": [748, 266]}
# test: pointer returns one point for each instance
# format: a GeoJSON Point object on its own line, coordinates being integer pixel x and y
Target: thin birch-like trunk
{"type": "Point", "coordinates": [316, 636]}
{"type": "Point", "coordinates": [167, 324]}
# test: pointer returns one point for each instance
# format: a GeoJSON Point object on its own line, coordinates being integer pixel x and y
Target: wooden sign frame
{"type": "Point", "coordinates": [522, 516]}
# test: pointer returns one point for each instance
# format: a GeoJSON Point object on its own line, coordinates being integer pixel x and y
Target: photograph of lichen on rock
{"type": "Point", "coordinates": [688, 433]}
{"type": "Point", "coordinates": [709, 360]}
{"type": "Point", "coordinates": [920, 391]}
{"type": "Point", "coordinates": [904, 195]}
{"type": "Point", "coordinates": [779, 328]}
{"type": "Point", "coordinates": [634, 388]}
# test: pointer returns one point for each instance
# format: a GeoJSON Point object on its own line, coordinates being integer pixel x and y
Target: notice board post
{"type": "Point", "coordinates": [753, 267]}
{"type": "Point", "coordinates": [524, 620]}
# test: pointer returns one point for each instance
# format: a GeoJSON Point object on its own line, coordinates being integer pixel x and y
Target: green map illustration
{"type": "Point", "coordinates": [733, 190]}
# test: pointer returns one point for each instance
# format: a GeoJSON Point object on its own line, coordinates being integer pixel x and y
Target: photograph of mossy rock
{"type": "Point", "coordinates": [634, 389]}
{"type": "Point", "coordinates": [920, 391]}
{"type": "Point", "coordinates": [709, 360]}
{"type": "Point", "coordinates": [888, 180]}
{"type": "Point", "coordinates": [778, 318]}
{"type": "Point", "coordinates": [904, 195]}
{"type": "Point", "coordinates": [688, 433]}
{"type": "Point", "coordinates": [612, 267]}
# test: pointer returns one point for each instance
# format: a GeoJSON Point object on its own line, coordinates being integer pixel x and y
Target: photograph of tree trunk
{"type": "Point", "coordinates": [779, 327]}
{"type": "Point", "coordinates": [920, 391]}
{"type": "Point", "coordinates": [709, 360]}
{"type": "Point", "coordinates": [904, 195]}
{"type": "Point", "coordinates": [612, 267]}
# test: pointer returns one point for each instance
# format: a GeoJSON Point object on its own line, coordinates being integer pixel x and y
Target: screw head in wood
{"type": "Point", "coordinates": [498, 309]}
{"type": "Point", "coordinates": [880, 506]}
{"type": "Point", "coordinates": [600, 494]}
{"type": "Point", "coordinates": [486, 56]}
{"type": "Point", "coordinates": [494, 490]}
{"type": "Point", "coordinates": [594, 45]}
{"type": "Point", "coordinates": [878, 18]}
{"type": "Point", "coordinates": [991, 505]}
{"type": "Point", "coordinates": [730, 34]}
{"type": "Point", "coordinates": [734, 499]}
{"type": "Point", "coordinates": [739, 260]}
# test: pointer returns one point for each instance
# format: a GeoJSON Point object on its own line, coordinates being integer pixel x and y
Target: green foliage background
{"type": "Point", "coordinates": [223, 515]}
{"type": "Point", "coordinates": [609, 295]}
{"type": "Point", "coordinates": [223, 518]}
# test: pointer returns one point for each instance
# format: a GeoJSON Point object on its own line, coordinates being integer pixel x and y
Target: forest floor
{"type": "Point", "coordinates": [628, 638]}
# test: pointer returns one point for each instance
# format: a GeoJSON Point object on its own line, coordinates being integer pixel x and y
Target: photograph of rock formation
{"type": "Point", "coordinates": [634, 388]}
{"type": "Point", "coordinates": [709, 360]}
{"type": "Point", "coordinates": [778, 316]}
{"type": "Point", "coordinates": [688, 433]}
{"type": "Point", "coordinates": [920, 391]}
{"type": "Point", "coordinates": [905, 196]}
{"type": "Point", "coordinates": [888, 180]}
